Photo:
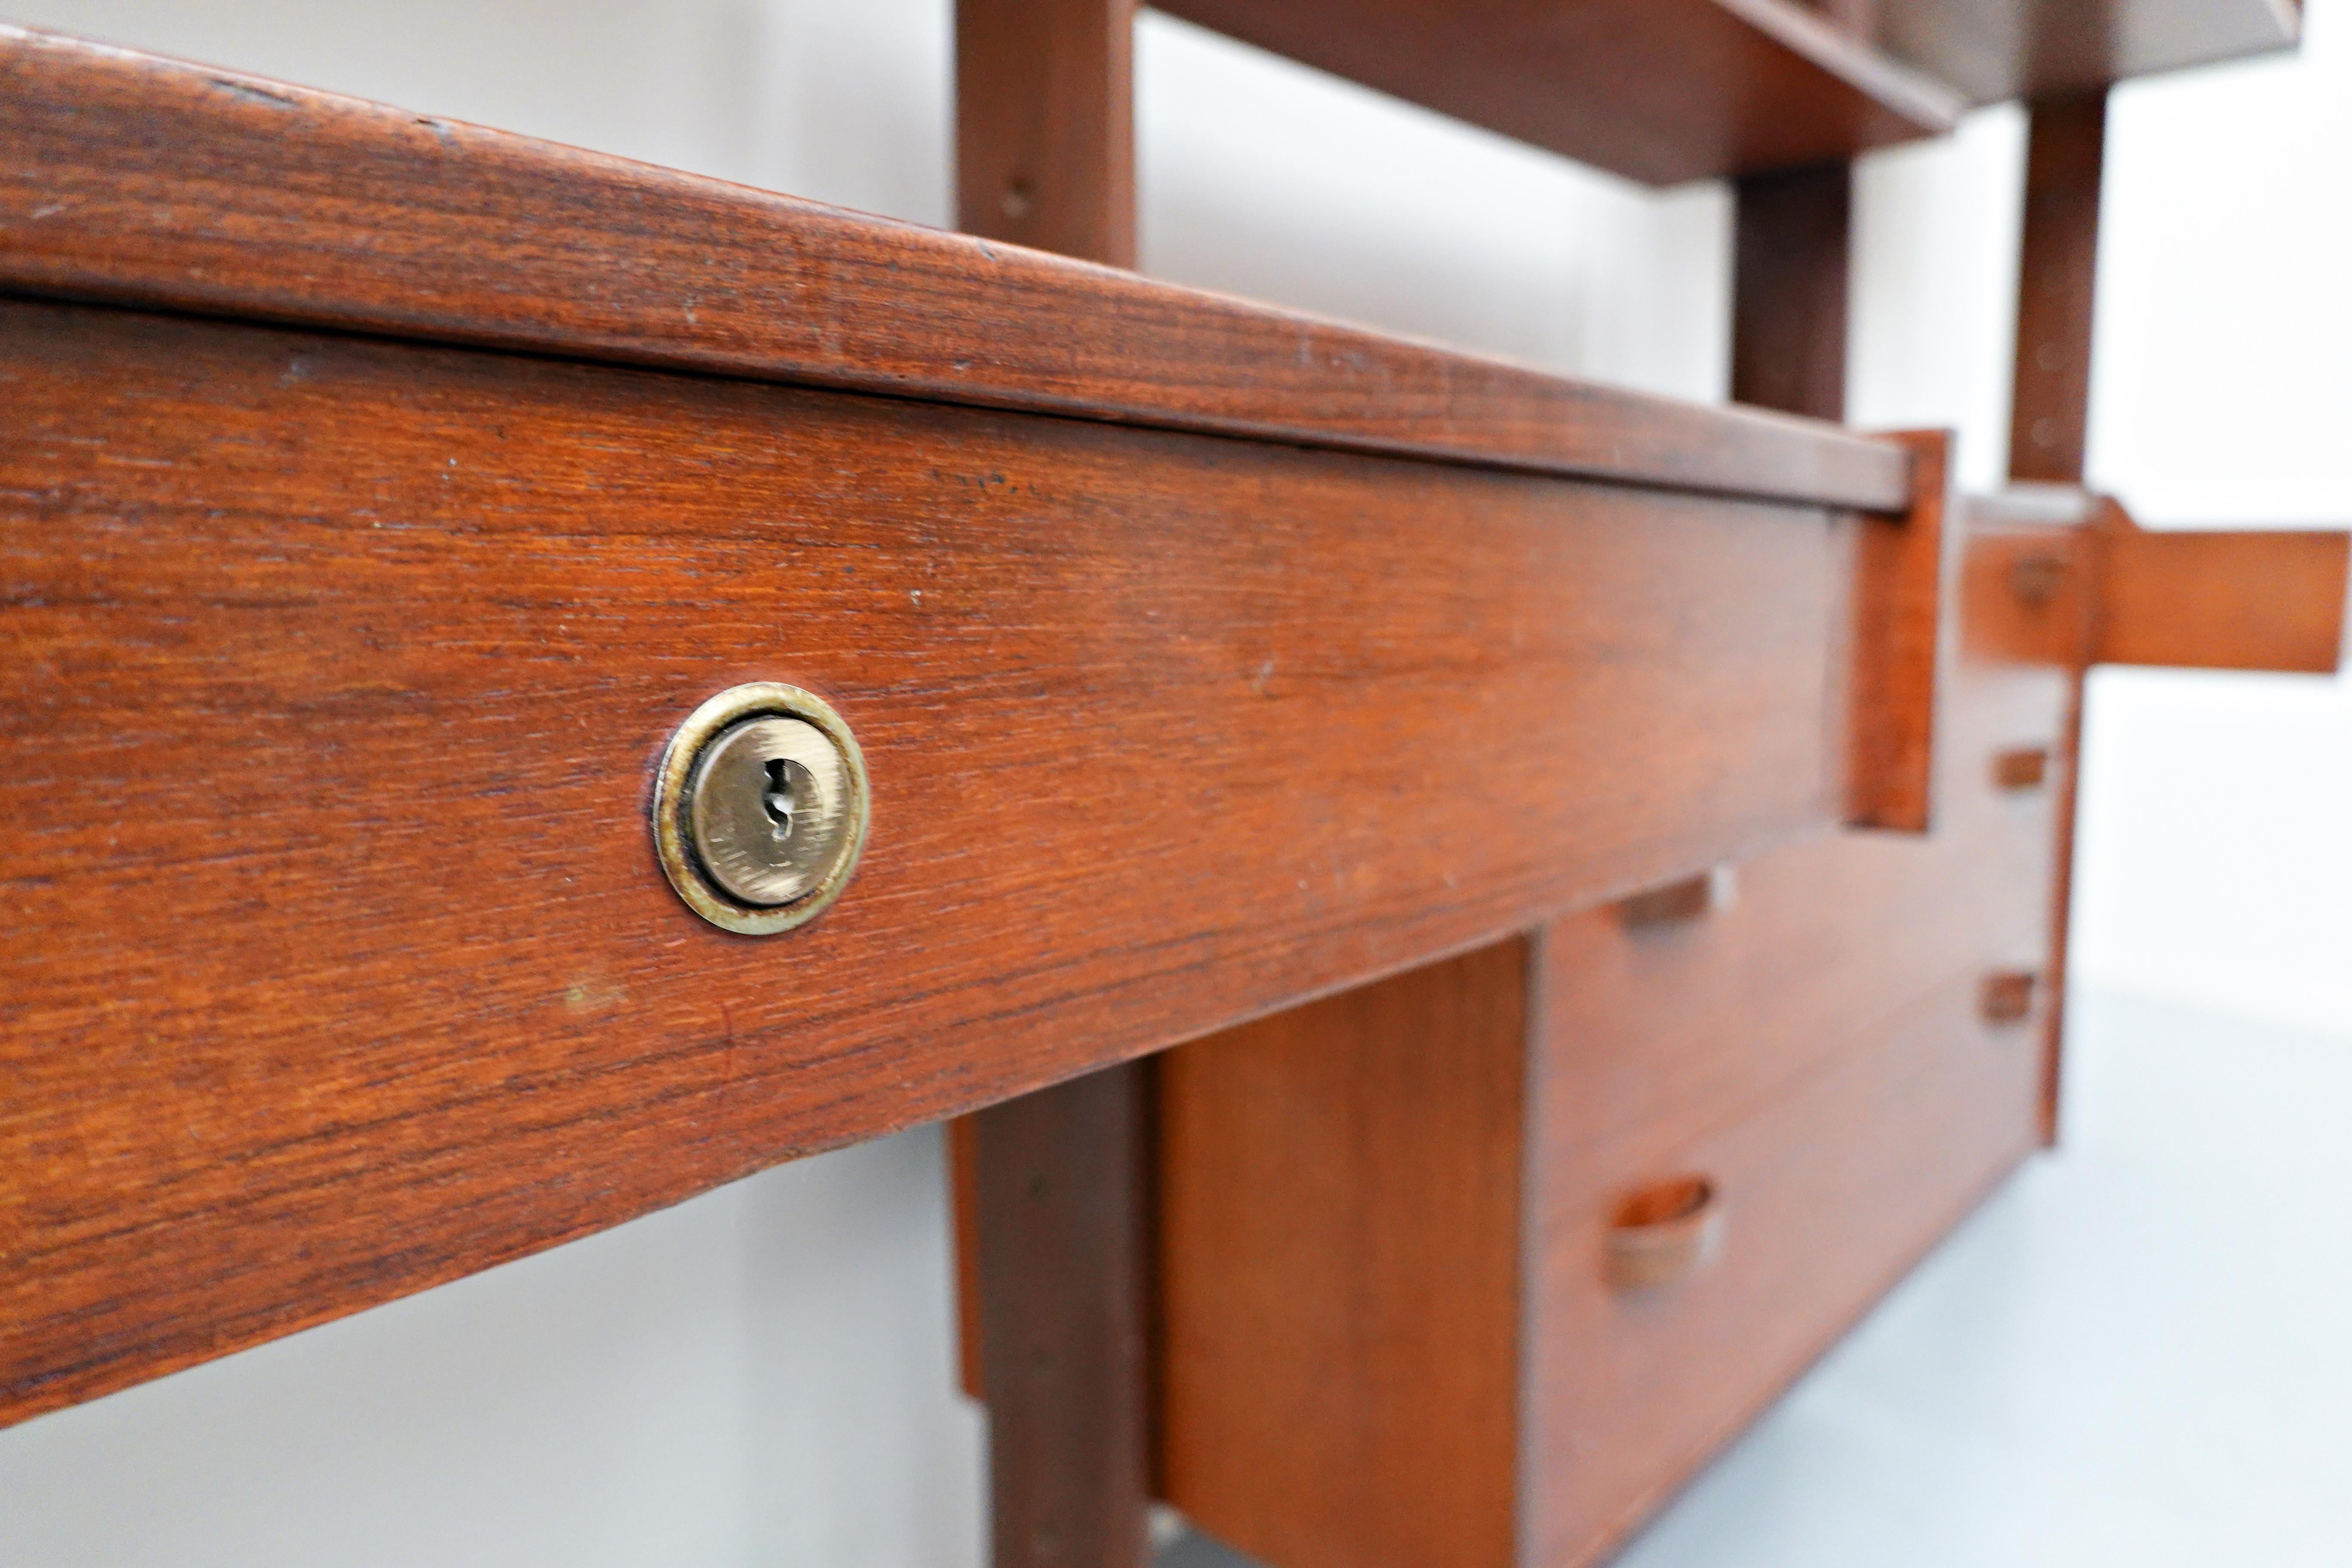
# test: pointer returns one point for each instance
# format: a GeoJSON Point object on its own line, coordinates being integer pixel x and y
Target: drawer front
{"type": "Point", "coordinates": [338, 959]}
{"type": "Point", "coordinates": [1825, 1194]}
{"type": "Point", "coordinates": [1827, 942]}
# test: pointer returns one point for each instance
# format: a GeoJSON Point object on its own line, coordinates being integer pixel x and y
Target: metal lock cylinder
{"type": "Point", "coordinates": [761, 808]}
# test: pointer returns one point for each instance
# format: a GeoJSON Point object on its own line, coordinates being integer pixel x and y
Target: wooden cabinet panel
{"type": "Point", "coordinates": [2227, 599]}
{"type": "Point", "coordinates": [1995, 49]}
{"type": "Point", "coordinates": [1340, 1213]}
{"type": "Point", "coordinates": [1818, 1051]}
{"type": "Point", "coordinates": [339, 963]}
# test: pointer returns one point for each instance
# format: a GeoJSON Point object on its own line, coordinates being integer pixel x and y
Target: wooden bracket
{"type": "Point", "coordinates": [1903, 587]}
{"type": "Point", "coordinates": [2218, 599]}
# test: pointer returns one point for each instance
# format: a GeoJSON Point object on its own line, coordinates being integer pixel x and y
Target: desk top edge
{"type": "Point", "coordinates": [144, 181]}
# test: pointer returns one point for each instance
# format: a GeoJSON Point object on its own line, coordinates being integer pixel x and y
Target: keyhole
{"type": "Point", "coordinates": [779, 799]}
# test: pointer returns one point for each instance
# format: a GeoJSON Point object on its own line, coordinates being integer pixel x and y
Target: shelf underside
{"type": "Point", "coordinates": [1658, 90]}
{"type": "Point", "coordinates": [1667, 91]}
{"type": "Point", "coordinates": [1993, 50]}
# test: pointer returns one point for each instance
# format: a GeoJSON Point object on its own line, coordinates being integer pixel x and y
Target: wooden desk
{"type": "Point", "coordinates": [380, 493]}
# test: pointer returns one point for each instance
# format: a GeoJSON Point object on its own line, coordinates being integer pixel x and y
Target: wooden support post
{"type": "Point", "coordinates": [1046, 125]}
{"type": "Point", "coordinates": [2057, 274]}
{"type": "Point", "coordinates": [1789, 286]}
{"type": "Point", "coordinates": [1052, 1202]}
{"type": "Point", "coordinates": [1060, 1199]}
{"type": "Point", "coordinates": [2049, 410]}
{"type": "Point", "coordinates": [1790, 298]}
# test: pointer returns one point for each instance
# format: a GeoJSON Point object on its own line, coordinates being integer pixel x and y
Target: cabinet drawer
{"type": "Point", "coordinates": [1829, 941]}
{"type": "Point", "coordinates": [391, 637]}
{"type": "Point", "coordinates": [1827, 1192]}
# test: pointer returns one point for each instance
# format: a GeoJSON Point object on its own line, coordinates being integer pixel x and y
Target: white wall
{"type": "Point", "coordinates": [2217, 851]}
{"type": "Point", "coordinates": [2216, 856]}
{"type": "Point", "coordinates": [760, 1376]}
{"type": "Point", "coordinates": [764, 1375]}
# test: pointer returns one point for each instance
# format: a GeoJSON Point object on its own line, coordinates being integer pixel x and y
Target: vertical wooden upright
{"type": "Point", "coordinates": [2057, 272]}
{"type": "Point", "coordinates": [1051, 1189]}
{"type": "Point", "coordinates": [1790, 280]}
{"type": "Point", "coordinates": [1046, 125]}
{"type": "Point", "coordinates": [2050, 415]}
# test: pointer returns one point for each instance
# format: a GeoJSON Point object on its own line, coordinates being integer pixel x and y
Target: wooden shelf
{"type": "Point", "coordinates": [1658, 90]}
{"type": "Point", "coordinates": [1997, 50]}
{"type": "Point", "coordinates": [1667, 91]}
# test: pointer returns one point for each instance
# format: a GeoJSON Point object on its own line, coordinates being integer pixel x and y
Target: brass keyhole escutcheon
{"type": "Point", "coordinates": [761, 808]}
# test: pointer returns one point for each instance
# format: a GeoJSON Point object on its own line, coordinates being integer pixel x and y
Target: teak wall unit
{"type": "Point", "coordinates": [381, 492]}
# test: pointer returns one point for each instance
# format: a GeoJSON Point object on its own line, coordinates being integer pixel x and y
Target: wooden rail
{"type": "Point", "coordinates": [142, 181]}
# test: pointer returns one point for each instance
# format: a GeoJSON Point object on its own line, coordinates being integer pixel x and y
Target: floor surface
{"type": "Point", "coordinates": [2138, 1353]}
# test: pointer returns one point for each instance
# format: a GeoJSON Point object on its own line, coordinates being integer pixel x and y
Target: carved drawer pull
{"type": "Point", "coordinates": [1691, 899]}
{"type": "Point", "coordinates": [1664, 1232]}
{"type": "Point", "coordinates": [2026, 767]}
{"type": "Point", "coordinates": [2008, 996]}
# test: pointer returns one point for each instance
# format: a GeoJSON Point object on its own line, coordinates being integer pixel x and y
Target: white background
{"type": "Point", "coordinates": [764, 1375]}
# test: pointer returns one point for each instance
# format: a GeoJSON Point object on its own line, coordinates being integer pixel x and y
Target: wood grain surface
{"type": "Point", "coordinates": [1061, 1185]}
{"type": "Point", "coordinates": [2049, 416]}
{"type": "Point", "coordinates": [1831, 1191]}
{"type": "Point", "coordinates": [1827, 942]}
{"type": "Point", "coordinates": [133, 179]}
{"type": "Point", "coordinates": [1341, 1188]}
{"type": "Point", "coordinates": [339, 963]}
{"type": "Point", "coordinates": [1657, 91]}
{"type": "Point", "coordinates": [1052, 1195]}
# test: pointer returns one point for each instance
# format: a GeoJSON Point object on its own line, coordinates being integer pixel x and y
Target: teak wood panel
{"type": "Point", "coordinates": [1825, 942]}
{"type": "Point", "coordinates": [1059, 1265]}
{"type": "Point", "coordinates": [152, 182]}
{"type": "Point", "coordinates": [1790, 286]}
{"type": "Point", "coordinates": [1341, 1189]}
{"type": "Point", "coordinates": [1658, 90]}
{"type": "Point", "coordinates": [1816, 1050]}
{"type": "Point", "coordinates": [1815, 1046]}
{"type": "Point", "coordinates": [339, 963]}
{"type": "Point", "coordinates": [2058, 265]}
{"type": "Point", "coordinates": [1906, 579]}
